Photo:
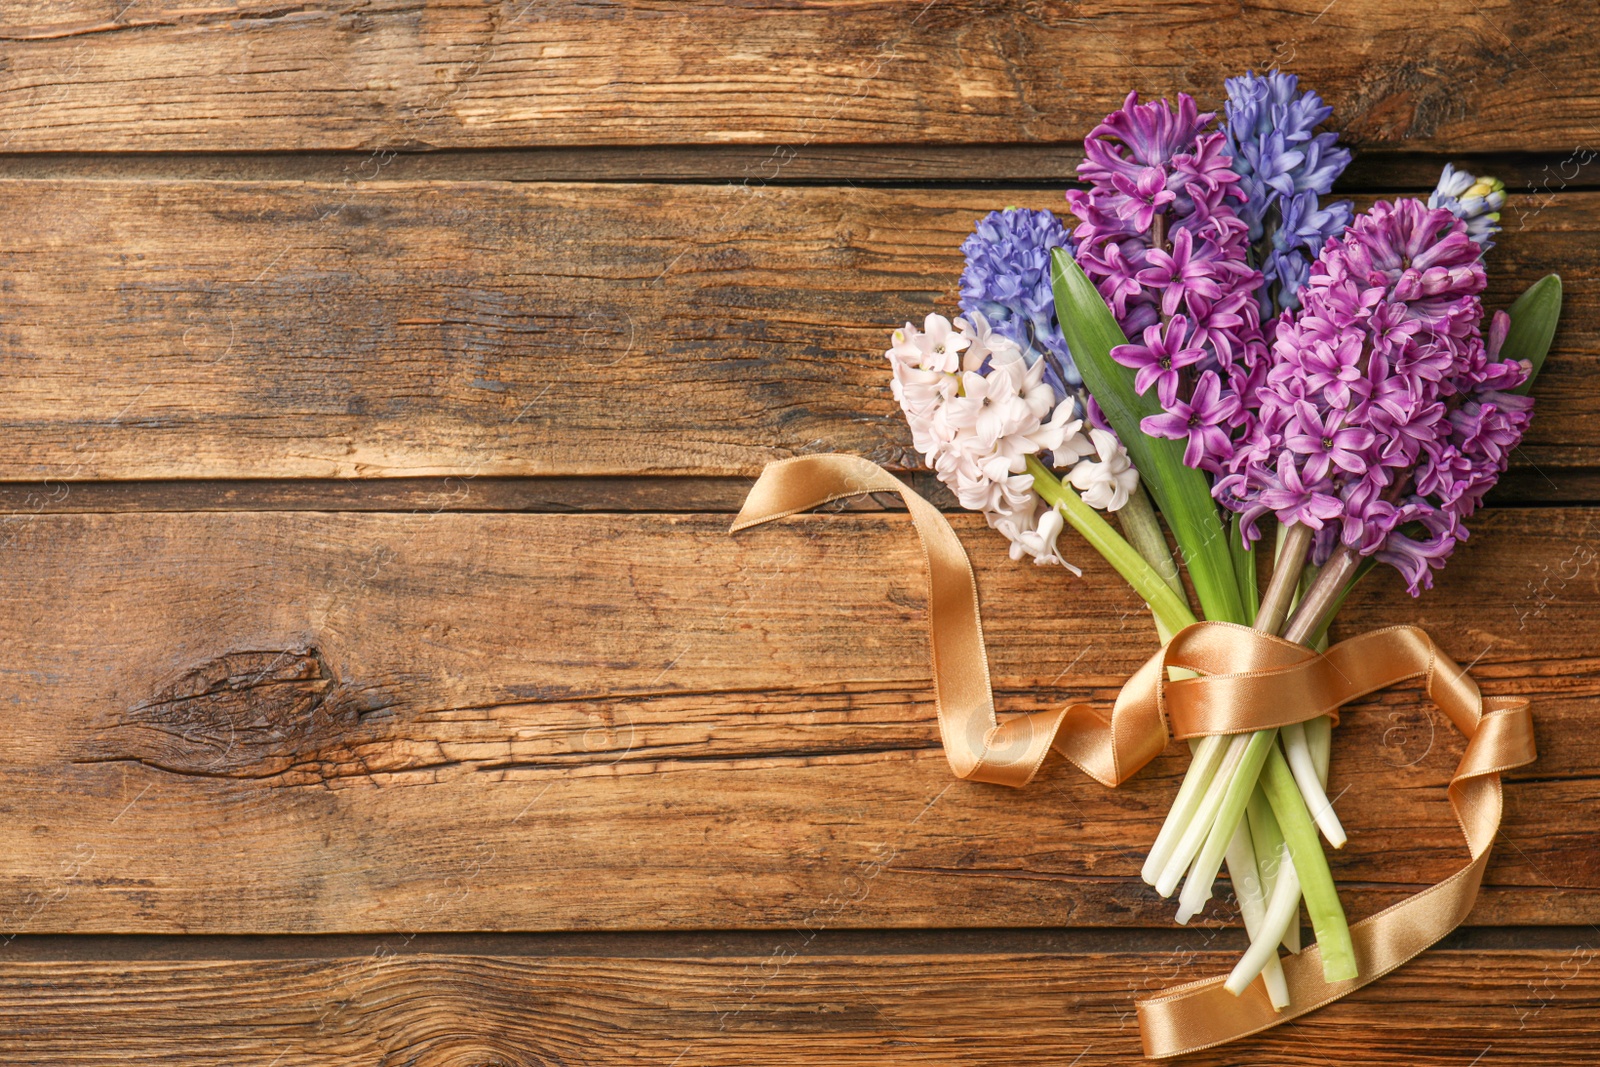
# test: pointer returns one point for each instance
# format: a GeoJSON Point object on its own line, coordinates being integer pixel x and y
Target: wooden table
{"type": "Point", "coordinates": [381, 683]}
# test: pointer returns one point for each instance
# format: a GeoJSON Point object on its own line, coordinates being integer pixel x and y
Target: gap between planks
{"type": "Point", "coordinates": [1041, 165]}
{"type": "Point", "coordinates": [1564, 487]}
{"type": "Point", "coordinates": [711, 944]}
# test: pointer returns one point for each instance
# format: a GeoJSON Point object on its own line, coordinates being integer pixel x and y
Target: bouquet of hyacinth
{"type": "Point", "coordinates": [1218, 351]}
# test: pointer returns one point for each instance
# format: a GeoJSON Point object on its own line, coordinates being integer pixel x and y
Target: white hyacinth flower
{"type": "Point", "coordinates": [937, 346]}
{"type": "Point", "coordinates": [977, 411]}
{"type": "Point", "coordinates": [1038, 542]}
{"type": "Point", "coordinates": [1105, 482]}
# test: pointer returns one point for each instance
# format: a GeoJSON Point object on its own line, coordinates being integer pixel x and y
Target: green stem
{"type": "Point", "coordinates": [1268, 840]}
{"type": "Point", "coordinates": [1252, 896]}
{"type": "Point", "coordinates": [1304, 765]}
{"type": "Point", "coordinates": [1143, 531]}
{"type": "Point", "coordinates": [1282, 910]}
{"type": "Point", "coordinates": [1319, 737]}
{"type": "Point", "coordinates": [1206, 757]}
{"type": "Point", "coordinates": [1316, 880]}
{"type": "Point", "coordinates": [1198, 825]}
{"type": "Point", "coordinates": [1164, 603]}
{"type": "Point", "coordinates": [1197, 888]}
{"type": "Point", "coordinates": [1244, 566]}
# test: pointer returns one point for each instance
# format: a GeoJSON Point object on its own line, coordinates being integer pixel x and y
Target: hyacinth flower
{"type": "Point", "coordinates": [996, 405]}
{"type": "Point", "coordinates": [995, 432]}
{"type": "Point", "coordinates": [1475, 201]}
{"type": "Point", "coordinates": [1385, 417]}
{"type": "Point", "coordinates": [1285, 167]}
{"type": "Point", "coordinates": [1387, 414]}
{"type": "Point", "coordinates": [1007, 281]}
{"type": "Point", "coordinates": [1161, 237]}
{"type": "Point", "coordinates": [976, 412]}
{"type": "Point", "coordinates": [998, 411]}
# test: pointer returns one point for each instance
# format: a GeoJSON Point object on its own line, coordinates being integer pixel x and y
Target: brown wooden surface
{"type": "Point", "coordinates": [363, 706]}
{"type": "Point", "coordinates": [381, 685]}
{"type": "Point", "coordinates": [158, 329]}
{"type": "Point", "coordinates": [771, 1008]}
{"type": "Point", "coordinates": [257, 74]}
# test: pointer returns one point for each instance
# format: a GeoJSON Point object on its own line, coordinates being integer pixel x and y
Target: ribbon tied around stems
{"type": "Point", "coordinates": [1247, 681]}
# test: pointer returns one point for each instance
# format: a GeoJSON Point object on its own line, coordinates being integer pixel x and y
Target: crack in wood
{"type": "Point", "coordinates": [244, 714]}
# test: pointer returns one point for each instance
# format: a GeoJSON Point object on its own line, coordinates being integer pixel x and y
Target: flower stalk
{"type": "Point", "coordinates": [1104, 539]}
{"type": "Point", "coordinates": [1197, 889]}
{"type": "Point", "coordinates": [1253, 893]}
{"type": "Point", "coordinates": [1267, 838]}
{"type": "Point", "coordinates": [1203, 764]}
{"type": "Point", "coordinates": [1281, 588]}
{"type": "Point", "coordinates": [1282, 910]}
{"type": "Point", "coordinates": [1310, 867]}
{"type": "Point", "coordinates": [1143, 531]}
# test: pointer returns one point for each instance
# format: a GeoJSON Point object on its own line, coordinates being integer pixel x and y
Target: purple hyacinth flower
{"type": "Point", "coordinates": [1202, 421]}
{"type": "Point", "coordinates": [1161, 238]}
{"type": "Point", "coordinates": [1158, 360]}
{"type": "Point", "coordinates": [1383, 417]}
{"type": "Point", "coordinates": [1326, 442]}
{"type": "Point", "coordinates": [1297, 501]}
{"type": "Point", "coordinates": [1181, 271]}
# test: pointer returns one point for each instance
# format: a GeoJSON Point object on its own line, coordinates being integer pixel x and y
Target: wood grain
{"type": "Point", "coordinates": [256, 74]}
{"type": "Point", "coordinates": [782, 1007]}
{"type": "Point", "coordinates": [323, 748]}
{"type": "Point", "coordinates": [1043, 164]}
{"type": "Point", "coordinates": [617, 493]}
{"type": "Point", "coordinates": [302, 722]}
{"type": "Point", "coordinates": [160, 330]}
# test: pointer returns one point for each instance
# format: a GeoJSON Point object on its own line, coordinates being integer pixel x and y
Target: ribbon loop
{"type": "Point", "coordinates": [1248, 681]}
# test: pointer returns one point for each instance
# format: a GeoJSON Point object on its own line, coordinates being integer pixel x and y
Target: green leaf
{"type": "Point", "coordinates": [1533, 324]}
{"type": "Point", "coordinates": [1244, 565]}
{"type": "Point", "coordinates": [1182, 493]}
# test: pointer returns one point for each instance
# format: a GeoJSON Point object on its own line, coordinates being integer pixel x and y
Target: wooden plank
{"type": "Point", "coordinates": [784, 1006]}
{"type": "Point", "coordinates": [157, 330]}
{"type": "Point", "coordinates": [302, 722]}
{"type": "Point", "coordinates": [1049, 165]}
{"type": "Point", "coordinates": [21, 500]}
{"type": "Point", "coordinates": [174, 75]}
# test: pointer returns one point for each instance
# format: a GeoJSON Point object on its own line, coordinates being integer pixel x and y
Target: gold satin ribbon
{"type": "Point", "coordinates": [1249, 681]}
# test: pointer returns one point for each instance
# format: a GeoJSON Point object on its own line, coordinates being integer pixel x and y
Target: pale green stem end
{"type": "Point", "coordinates": [1268, 839]}
{"type": "Point", "coordinates": [1316, 880]}
{"type": "Point", "coordinates": [1197, 890]}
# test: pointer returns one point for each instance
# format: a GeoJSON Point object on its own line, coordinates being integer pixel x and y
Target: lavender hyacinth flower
{"type": "Point", "coordinates": [1475, 201]}
{"type": "Point", "coordinates": [1384, 417]}
{"type": "Point", "coordinates": [1162, 239]}
{"type": "Point", "coordinates": [1007, 281]}
{"type": "Point", "coordinates": [1284, 167]}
